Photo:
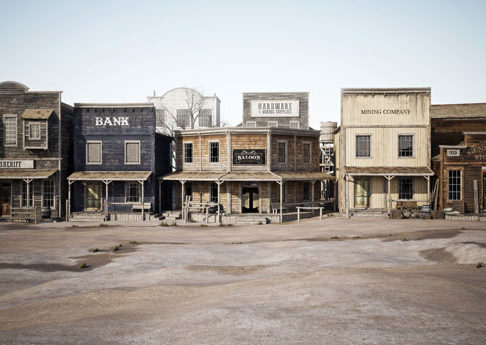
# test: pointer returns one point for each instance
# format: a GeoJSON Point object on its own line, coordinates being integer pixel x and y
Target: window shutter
{"type": "Point", "coordinates": [94, 153]}
{"type": "Point", "coordinates": [133, 152]}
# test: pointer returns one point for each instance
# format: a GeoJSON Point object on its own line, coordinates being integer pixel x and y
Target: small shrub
{"type": "Point", "coordinates": [236, 242]}
{"type": "Point", "coordinates": [83, 265]}
{"type": "Point", "coordinates": [163, 224]}
{"type": "Point", "coordinates": [203, 225]}
{"type": "Point", "coordinates": [94, 250]}
{"type": "Point", "coordinates": [229, 224]}
{"type": "Point", "coordinates": [356, 237]}
{"type": "Point", "coordinates": [404, 239]}
{"type": "Point", "coordinates": [115, 248]}
{"type": "Point", "coordinates": [463, 228]}
{"type": "Point", "coordinates": [334, 238]}
{"type": "Point", "coordinates": [221, 224]}
{"type": "Point", "coordinates": [174, 224]}
{"type": "Point", "coordinates": [74, 226]}
{"type": "Point", "coordinates": [260, 223]}
{"type": "Point", "coordinates": [103, 225]}
{"type": "Point", "coordinates": [479, 265]}
{"type": "Point", "coordinates": [133, 242]}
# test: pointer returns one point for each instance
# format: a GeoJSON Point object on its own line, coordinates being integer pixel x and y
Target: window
{"type": "Point", "coordinates": [250, 123]}
{"type": "Point", "coordinates": [93, 152]}
{"type": "Point", "coordinates": [132, 152]}
{"type": "Point", "coordinates": [363, 146]}
{"type": "Point", "coordinates": [282, 151]}
{"type": "Point", "coordinates": [294, 124]}
{"type": "Point", "coordinates": [27, 200]}
{"type": "Point", "coordinates": [205, 118]}
{"type": "Point", "coordinates": [405, 188]}
{"type": "Point", "coordinates": [307, 152]}
{"type": "Point", "coordinates": [159, 117]}
{"type": "Point", "coordinates": [306, 191]}
{"type": "Point", "coordinates": [213, 192]}
{"type": "Point", "coordinates": [10, 125]}
{"type": "Point", "coordinates": [272, 123]}
{"type": "Point", "coordinates": [405, 146]}
{"type": "Point", "coordinates": [187, 152]}
{"type": "Point", "coordinates": [455, 185]}
{"type": "Point", "coordinates": [214, 152]}
{"type": "Point", "coordinates": [48, 194]}
{"type": "Point", "coordinates": [132, 191]}
{"type": "Point", "coordinates": [183, 117]}
{"type": "Point", "coordinates": [34, 130]}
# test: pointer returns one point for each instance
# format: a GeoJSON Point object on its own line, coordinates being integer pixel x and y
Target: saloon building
{"type": "Point", "coordinates": [263, 172]}
{"type": "Point", "coordinates": [118, 158]}
{"type": "Point", "coordinates": [35, 152]}
{"type": "Point", "coordinates": [383, 149]}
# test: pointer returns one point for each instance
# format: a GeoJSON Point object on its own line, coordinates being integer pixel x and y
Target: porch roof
{"type": "Point", "coordinates": [388, 171]}
{"type": "Point", "coordinates": [250, 176]}
{"type": "Point", "coordinates": [37, 114]}
{"type": "Point", "coordinates": [109, 175]}
{"type": "Point", "coordinates": [304, 176]}
{"type": "Point", "coordinates": [17, 174]}
{"type": "Point", "coordinates": [194, 176]}
{"type": "Point", "coordinates": [247, 176]}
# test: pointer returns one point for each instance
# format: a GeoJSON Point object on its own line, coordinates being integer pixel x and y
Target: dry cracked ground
{"type": "Point", "coordinates": [335, 281]}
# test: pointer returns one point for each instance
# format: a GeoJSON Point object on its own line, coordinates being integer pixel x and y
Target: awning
{"type": "Point", "coordinates": [388, 171]}
{"type": "Point", "coordinates": [250, 176]}
{"type": "Point", "coordinates": [17, 174]}
{"type": "Point", "coordinates": [194, 176]}
{"type": "Point", "coordinates": [37, 114]}
{"type": "Point", "coordinates": [304, 176]}
{"type": "Point", "coordinates": [109, 176]}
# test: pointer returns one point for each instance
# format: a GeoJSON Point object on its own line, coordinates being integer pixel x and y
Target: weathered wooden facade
{"type": "Point", "coordinates": [248, 170]}
{"type": "Point", "coordinates": [35, 152]}
{"type": "Point", "coordinates": [384, 149]}
{"type": "Point", "coordinates": [118, 157]}
{"type": "Point", "coordinates": [276, 109]}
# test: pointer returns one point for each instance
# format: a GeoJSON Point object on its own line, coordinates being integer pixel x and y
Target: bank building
{"type": "Point", "coordinates": [35, 153]}
{"type": "Point", "coordinates": [118, 157]}
{"type": "Point", "coordinates": [383, 149]}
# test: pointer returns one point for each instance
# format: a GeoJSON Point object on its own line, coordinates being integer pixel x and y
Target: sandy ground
{"type": "Point", "coordinates": [335, 281]}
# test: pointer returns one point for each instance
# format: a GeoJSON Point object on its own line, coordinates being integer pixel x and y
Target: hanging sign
{"type": "Point", "coordinates": [248, 156]}
{"type": "Point", "coordinates": [453, 153]}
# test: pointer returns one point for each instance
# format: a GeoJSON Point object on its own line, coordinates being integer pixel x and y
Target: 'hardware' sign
{"type": "Point", "coordinates": [275, 108]}
{"type": "Point", "coordinates": [249, 156]}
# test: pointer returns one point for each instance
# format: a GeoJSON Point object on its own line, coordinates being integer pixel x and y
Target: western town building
{"type": "Point", "coordinates": [118, 157]}
{"type": "Point", "coordinates": [185, 108]}
{"type": "Point", "coordinates": [261, 172]}
{"type": "Point", "coordinates": [459, 161]}
{"type": "Point", "coordinates": [276, 109]}
{"type": "Point", "coordinates": [383, 149]}
{"type": "Point", "coordinates": [35, 153]}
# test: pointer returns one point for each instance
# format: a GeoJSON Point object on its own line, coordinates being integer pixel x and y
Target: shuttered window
{"type": "Point", "coordinates": [34, 130]}
{"type": "Point", "coordinates": [93, 152]}
{"type": "Point", "coordinates": [10, 125]}
{"type": "Point", "coordinates": [132, 152]}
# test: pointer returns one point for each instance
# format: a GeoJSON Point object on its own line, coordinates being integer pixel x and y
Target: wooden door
{"type": "Point", "coordinates": [93, 196]}
{"type": "Point", "coordinates": [5, 193]}
{"type": "Point", "coordinates": [362, 193]}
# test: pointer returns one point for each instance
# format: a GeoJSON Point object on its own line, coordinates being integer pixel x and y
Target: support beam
{"type": "Point", "coordinates": [142, 199]}
{"type": "Point", "coordinates": [219, 208]}
{"type": "Point", "coordinates": [281, 200]}
{"type": "Point", "coordinates": [428, 189]}
{"type": "Point", "coordinates": [388, 194]}
{"type": "Point", "coordinates": [312, 197]}
{"type": "Point", "coordinates": [182, 199]}
{"type": "Point", "coordinates": [160, 198]}
{"type": "Point", "coordinates": [68, 211]}
{"type": "Point", "coordinates": [346, 195]}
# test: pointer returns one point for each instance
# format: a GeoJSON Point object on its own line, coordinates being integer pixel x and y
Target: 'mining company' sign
{"type": "Point", "coordinates": [282, 108]}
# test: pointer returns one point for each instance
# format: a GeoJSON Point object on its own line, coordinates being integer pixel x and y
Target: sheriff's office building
{"type": "Point", "coordinates": [259, 172]}
{"type": "Point", "coordinates": [35, 154]}
{"type": "Point", "coordinates": [177, 108]}
{"type": "Point", "coordinates": [118, 157]}
{"type": "Point", "coordinates": [276, 109]}
{"type": "Point", "coordinates": [384, 149]}
{"type": "Point", "coordinates": [459, 141]}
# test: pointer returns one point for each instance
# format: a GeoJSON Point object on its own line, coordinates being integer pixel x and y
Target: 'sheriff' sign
{"type": "Point", "coordinates": [111, 121]}
{"type": "Point", "coordinates": [249, 156]}
{"type": "Point", "coordinates": [275, 108]}
{"type": "Point", "coordinates": [385, 111]}
{"type": "Point", "coordinates": [19, 164]}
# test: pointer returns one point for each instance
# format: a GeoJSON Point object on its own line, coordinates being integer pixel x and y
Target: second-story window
{"type": "Point", "coordinates": [272, 123]}
{"type": "Point", "coordinates": [405, 146]}
{"type": "Point", "coordinates": [10, 127]}
{"type": "Point", "coordinates": [93, 152]}
{"type": "Point", "coordinates": [132, 152]}
{"type": "Point", "coordinates": [282, 152]}
{"type": "Point", "coordinates": [214, 152]}
{"type": "Point", "coordinates": [306, 152]}
{"type": "Point", "coordinates": [34, 130]}
{"type": "Point", "coordinates": [187, 152]}
{"type": "Point", "coordinates": [363, 147]}
{"type": "Point", "coordinates": [294, 124]}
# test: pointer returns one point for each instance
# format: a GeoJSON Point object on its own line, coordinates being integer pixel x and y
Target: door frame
{"type": "Point", "coordinates": [9, 183]}
{"type": "Point", "coordinates": [86, 196]}
{"type": "Point", "coordinates": [356, 179]}
{"type": "Point", "coordinates": [250, 185]}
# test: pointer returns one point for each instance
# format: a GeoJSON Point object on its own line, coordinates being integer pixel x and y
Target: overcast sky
{"type": "Point", "coordinates": [121, 51]}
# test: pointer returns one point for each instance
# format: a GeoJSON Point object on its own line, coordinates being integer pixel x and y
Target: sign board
{"type": "Point", "coordinates": [453, 153]}
{"type": "Point", "coordinates": [275, 108]}
{"type": "Point", "coordinates": [248, 156]}
{"type": "Point", "coordinates": [111, 121]}
{"type": "Point", "coordinates": [16, 164]}
{"type": "Point", "coordinates": [387, 111]}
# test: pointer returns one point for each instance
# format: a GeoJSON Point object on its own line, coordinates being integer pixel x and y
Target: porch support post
{"type": "Point", "coordinates": [388, 194]}
{"type": "Point", "coordinates": [142, 199]}
{"type": "Point", "coordinates": [312, 197]}
{"type": "Point", "coordinates": [182, 199]}
{"type": "Point", "coordinates": [281, 199]}
{"type": "Point", "coordinates": [428, 189]}
{"type": "Point", "coordinates": [28, 181]}
{"type": "Point", "coordinates": [106, 182]}
{"type": "Point", "coordinates": [160, 198]}
{"type": "Point", "coordinates": [346, 195]}
{"type": "Point", "coordinates": [68, 210]}
{"type": "Point", "coordinates": [219, 209]}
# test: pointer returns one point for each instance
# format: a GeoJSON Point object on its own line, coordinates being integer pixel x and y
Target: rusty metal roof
{"type": "Point", "coordinates": [16, 174]}
{"type": "Point", "coordinates": [37, 114]}
{"type": "Point", "coordinates": [109, 175]}
{"type": "Point", "coordinates": [388, 171]}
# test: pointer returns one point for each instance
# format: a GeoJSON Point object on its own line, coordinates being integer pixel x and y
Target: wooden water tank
{"type": "Point", "coordinates": [327, 131]}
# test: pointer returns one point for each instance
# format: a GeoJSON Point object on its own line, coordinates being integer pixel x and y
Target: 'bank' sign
{"type": "Point", "coordinates": [282, 108]}
{"type": "Point", "coordinates": [248, 156]}
{"type": "Point", "coordinates": [111, 121]}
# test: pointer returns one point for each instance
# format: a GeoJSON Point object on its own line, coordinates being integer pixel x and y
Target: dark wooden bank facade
{"type": "Point", "coordinates": [118, 157]}
{"type": "Point", "coordinates": [35, 152]}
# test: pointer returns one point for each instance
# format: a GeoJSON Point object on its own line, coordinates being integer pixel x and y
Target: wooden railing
{"type": "Point", "coordinates": [24, 214]}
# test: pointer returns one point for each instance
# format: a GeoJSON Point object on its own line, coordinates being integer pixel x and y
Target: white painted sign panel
{"type": "Point", "coordinates": [16, 164]}
{"type": "Point", "coordinates": [111, 121]}
{"type": "Point", "coordinates": [453, 153]}
{"type": "Point", "coordinates": [275, 108]}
